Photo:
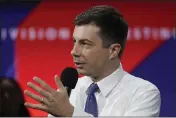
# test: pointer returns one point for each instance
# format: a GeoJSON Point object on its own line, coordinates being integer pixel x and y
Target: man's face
{"type": "Point", "coordinates": [88, 54]}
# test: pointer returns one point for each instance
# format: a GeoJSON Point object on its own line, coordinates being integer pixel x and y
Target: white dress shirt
{"type": "Point", "coordinates": [121, 94]}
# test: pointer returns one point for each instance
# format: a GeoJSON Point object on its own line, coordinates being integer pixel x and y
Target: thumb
{"type": "Point", "coordinates": [58, 82]}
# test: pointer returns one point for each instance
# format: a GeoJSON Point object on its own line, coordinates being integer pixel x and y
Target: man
{"type": "Point", "coordinates": [99, 37]}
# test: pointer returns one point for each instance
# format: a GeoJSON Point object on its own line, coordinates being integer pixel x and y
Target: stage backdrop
{"type": "Point", "coordinates": [36, 40]}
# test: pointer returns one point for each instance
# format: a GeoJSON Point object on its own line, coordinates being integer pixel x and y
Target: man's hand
{"type": "Point", "coordinates": [54, 102]}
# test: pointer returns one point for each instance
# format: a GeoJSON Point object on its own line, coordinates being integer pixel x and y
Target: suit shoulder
{"type": "Point", "coordinates": [139, 83]}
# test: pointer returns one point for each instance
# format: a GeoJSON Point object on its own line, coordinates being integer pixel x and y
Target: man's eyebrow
{"type": "Point", "coordinates": [83, 40]}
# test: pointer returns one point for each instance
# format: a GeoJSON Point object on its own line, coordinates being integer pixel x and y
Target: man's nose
{"type": "Point", "coordinates": [75, 51]}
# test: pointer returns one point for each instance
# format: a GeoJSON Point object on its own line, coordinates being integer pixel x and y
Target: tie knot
{"type": "Point", "coordinates": [92, 89]}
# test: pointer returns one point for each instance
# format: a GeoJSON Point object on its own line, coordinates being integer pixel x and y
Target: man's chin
{"type": "Point", "coordinates": [82, 71]}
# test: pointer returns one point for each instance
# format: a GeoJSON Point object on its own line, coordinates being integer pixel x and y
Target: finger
{"type": "Point", "coordinates": [59, 83]}
{"type": "Point", "coordinates": [36, 106]}
{"type": "Point", "coordinates": [35, 97]}
{"type": "Point", "coordinates": [38, 89]}
{"type": "Point", "coordinates": [44, 84]}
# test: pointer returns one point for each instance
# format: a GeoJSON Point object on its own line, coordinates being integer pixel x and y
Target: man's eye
{"type": "Point", "coordinates": [84, 43]}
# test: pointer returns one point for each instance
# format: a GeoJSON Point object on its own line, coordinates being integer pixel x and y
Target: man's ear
{"type": "Point", "coordinates": [114, 50]}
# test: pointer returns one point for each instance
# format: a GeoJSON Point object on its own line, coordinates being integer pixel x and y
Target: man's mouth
{"type": "Point", "coordinates": [79, 65]}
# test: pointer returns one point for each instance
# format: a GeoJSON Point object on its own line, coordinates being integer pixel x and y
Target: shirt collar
{"type": "Point", "coordinates": [109, 82]}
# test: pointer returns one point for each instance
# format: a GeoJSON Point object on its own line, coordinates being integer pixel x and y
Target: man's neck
{"type": "Point", "coordinates": [106, 73]}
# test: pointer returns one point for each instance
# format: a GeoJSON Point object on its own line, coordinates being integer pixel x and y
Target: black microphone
{"type": "Point", "coordinates": [69, 78]}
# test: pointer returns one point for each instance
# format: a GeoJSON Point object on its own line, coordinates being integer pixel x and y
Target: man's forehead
{"type": "Point", "coordinates": [88, 28]}
{"type": "Point", "coordinates": [86, 32]}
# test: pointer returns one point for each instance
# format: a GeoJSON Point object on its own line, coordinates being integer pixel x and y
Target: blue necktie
{"type": "Point", "coordinates": [91, 102]}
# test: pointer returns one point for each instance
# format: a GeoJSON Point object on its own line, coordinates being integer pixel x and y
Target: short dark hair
{"type": "Point", "coordinates": [113, 28]}
{"type": "Point", "coordinates": [12, 99]}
